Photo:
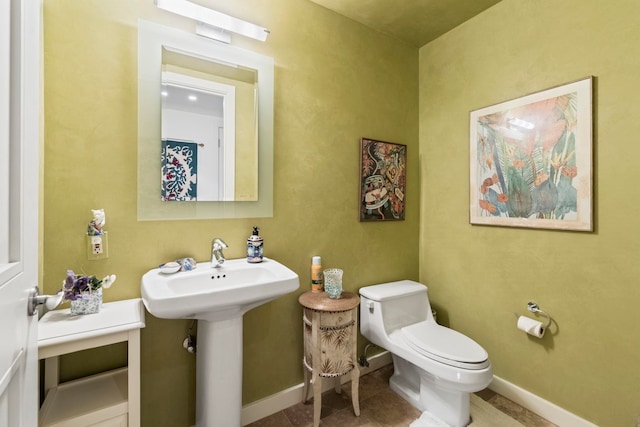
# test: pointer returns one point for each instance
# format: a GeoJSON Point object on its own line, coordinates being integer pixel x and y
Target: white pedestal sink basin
{"type": "Point", "coordinates": [218, 298]}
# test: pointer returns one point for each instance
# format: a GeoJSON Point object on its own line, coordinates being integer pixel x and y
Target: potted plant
{"type": "Point", "coordinates": [85, 292]}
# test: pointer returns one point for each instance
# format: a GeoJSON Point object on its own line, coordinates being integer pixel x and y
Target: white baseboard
{"type": "Point", "coordinates": [293, 395]}
{"type": "Point", "coordinates": [538, 405]}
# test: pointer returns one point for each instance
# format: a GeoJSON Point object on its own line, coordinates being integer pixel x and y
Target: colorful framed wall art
{"type": "Point", "coordinates": [383, 167]}
{"type": "Point", "coordinates": [531, 160]}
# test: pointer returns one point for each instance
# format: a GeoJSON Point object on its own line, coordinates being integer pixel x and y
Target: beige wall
{"type": "Point", "coordinates": [588, 281]}
{"type": "Point", "coordinates": [335, 82]}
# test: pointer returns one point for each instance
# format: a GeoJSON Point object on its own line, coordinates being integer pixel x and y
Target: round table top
{"type": "Point", "coordinates": [321, 302]}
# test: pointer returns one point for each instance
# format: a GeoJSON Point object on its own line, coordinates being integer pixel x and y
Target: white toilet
{"type": "Point", "coordinates": [435, 368]}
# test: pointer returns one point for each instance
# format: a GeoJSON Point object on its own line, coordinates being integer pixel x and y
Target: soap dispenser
{"type": "Point", "coordinates": [255, 245]}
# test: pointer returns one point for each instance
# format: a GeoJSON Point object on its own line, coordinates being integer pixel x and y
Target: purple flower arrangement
{"type": "Point", "coordinates": [81, 287]}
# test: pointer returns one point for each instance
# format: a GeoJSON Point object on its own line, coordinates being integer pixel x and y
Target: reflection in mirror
{"type": "Point", "coordinates": [198, 139]}
{"type": "Point", "coordinates": [205, 126]}
{"type": "Point", "coordinates": [200, 101]}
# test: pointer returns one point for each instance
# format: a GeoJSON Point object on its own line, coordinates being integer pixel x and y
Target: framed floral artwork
{"type": "Point", "coordinates": [179, 163]}
{"type": "Point", "coordinates": [383, 167]}
{"type": "Point", "coordinates": [531, 160]}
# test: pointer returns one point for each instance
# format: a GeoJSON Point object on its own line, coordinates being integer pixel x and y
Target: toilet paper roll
{"type": "Point", "coordinates": [530, 326]}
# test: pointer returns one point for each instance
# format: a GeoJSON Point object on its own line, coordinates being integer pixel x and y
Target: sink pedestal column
{"type": "Point", "coordinates": [219, 373]}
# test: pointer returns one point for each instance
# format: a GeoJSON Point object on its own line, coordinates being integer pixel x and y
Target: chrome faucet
{"type": "Point", "coordinates": [217, 257]}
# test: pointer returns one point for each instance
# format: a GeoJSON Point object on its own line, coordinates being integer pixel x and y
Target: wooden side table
{"type": "Point", "coordinates": [108, 399]}
{"type": "Point", "coordinates": [330, 345]}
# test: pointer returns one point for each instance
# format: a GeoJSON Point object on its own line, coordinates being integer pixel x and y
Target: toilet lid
{"type": "Point", "coordinates": [445, 345]}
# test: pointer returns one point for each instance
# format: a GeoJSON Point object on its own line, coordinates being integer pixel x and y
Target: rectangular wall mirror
{"type": "Point", "coordinates": [205, 128]}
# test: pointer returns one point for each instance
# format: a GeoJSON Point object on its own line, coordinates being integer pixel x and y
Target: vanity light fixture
{"type": "Point", "coordinates": [213, 24]}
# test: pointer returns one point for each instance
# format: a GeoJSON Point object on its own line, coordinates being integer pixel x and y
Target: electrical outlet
{"type": "Point", "coordinates": [97, 247]}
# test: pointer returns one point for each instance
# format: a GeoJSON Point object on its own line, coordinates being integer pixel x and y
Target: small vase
{"type": "Point", "coordinates": [333, 282]}
{"type": "Point", "coordinates": [87, 303]}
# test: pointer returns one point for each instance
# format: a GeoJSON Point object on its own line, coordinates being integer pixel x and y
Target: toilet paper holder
{"type": "Point", "coordinates": [533, 307]}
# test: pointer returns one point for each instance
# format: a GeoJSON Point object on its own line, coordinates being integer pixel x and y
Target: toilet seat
{"type": "Point", "coordinates": [445, 345]}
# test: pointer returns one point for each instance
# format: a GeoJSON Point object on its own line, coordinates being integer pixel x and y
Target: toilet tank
{"type": "Point", "coordinates": [402, 303]}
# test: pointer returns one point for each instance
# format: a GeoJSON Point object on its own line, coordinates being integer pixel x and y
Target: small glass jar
{"type": "Point", "coordinates": [333, 282]}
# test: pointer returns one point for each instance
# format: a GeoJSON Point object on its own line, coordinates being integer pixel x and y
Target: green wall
{"type": "Point", "coordinates": [335, 82]}
{"type": "Point", "coordinates": [588, 282]}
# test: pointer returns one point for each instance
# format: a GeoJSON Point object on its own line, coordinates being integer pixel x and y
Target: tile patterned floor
{"type": "Point", "coordinates": [379, 407]}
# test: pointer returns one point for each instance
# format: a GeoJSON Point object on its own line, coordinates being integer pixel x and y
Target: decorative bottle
{"type": "Point", "coordinates": [255, 246]}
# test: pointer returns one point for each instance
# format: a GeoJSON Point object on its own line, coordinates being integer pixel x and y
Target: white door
{"type": "Point", "coordinates": [19, 165]}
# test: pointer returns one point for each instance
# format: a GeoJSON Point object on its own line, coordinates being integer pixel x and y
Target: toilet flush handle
{"type": "Point", "coordinates": [371, 307]}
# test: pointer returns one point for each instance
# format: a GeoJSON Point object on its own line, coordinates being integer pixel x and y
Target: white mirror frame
{"type": "Point", "coordinates": [151, 39]}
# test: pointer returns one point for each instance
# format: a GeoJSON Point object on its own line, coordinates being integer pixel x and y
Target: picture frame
{"type": "Point", "coordinates": [383, 167]}
{"type": "Point", "coordinates": [531, 160]}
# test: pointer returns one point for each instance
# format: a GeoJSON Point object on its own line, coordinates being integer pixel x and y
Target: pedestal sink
{"type": "Point", "coordinates": [218, 298]}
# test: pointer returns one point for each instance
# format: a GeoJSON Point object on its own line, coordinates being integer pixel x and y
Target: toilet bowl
{"type": "Point", "coordinates": [435, 368]}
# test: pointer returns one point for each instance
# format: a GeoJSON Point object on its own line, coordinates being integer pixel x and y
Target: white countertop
{"type": "Point", "coordinates": [60, 326]}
